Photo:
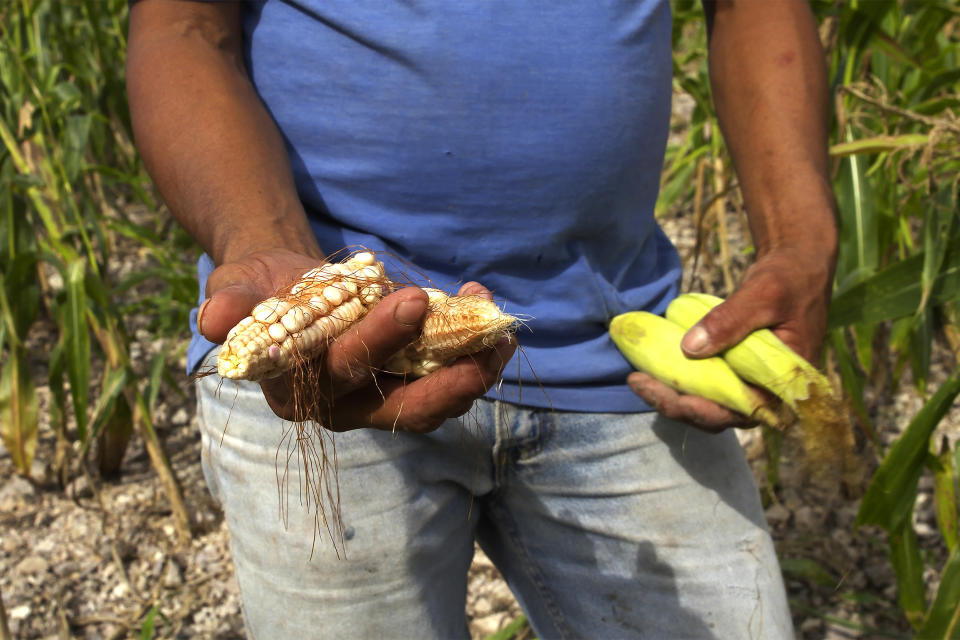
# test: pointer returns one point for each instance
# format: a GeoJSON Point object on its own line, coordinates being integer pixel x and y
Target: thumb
{"type": "Point", "coordinates": [727, 324]}
{"type": "Point", "coordinates": [234, 289]}
{"type": "Point", "coordinates": [224, 309]}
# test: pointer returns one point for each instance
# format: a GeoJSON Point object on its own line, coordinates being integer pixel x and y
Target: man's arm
{"type": "Point", "coordinates": [768, 76]}
{"type": "Point", "coordinates": [220, 164]}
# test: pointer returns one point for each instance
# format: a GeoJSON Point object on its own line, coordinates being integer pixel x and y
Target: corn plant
{"type": "Point", "coordinates": [898, 129]}
{"type": "Point", "coordinates": [69, 176]}
{"type": "Point", "coordinates": [895, 68]}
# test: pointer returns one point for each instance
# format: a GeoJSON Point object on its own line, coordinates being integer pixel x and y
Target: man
{"type": "Point", "coordinates": [515, 146]}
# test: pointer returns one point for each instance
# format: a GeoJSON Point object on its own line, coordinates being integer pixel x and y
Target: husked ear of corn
{"type": "Point", "coordinates": [454, 326]}
{"type": "Point", "coordinates": [651, 343]}
{"type": "Point", "coordinates": [299, 322]}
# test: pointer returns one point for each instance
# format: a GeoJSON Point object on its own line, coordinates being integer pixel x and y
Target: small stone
{"type": "Point", "coordinates": [46, 546]}
{"type": "Point", "coordinates": [33, 565]}
{"type": "Point", "coordinates": [500, 593]}
{"type": "Point", "coordinates": [66, 569]}
{"type": "Point", "coordinates": [488, 625]}
{"type": "Point", "coordinates": [811, 625]}
{"type": "Point", "coordinates": [480, 559]}
{"type": "Point", "coordinates": [120, 590]}
{"type": "Point", "coordinates": [172, 576]}
{"type": "Point", "coordinates": [482, 607]}
{"type": "Point", "coordinates": [15, 492]}
{"type": "Point", "coordinates": [10, 542]}
{"type": "Point", "coordinates": [777, 515]}
{"type": "Point", "coordinates": [878, 571]}
{"type": "Point", "coordinates": [181, 416]}
{"type": "Point", "coordinates": [805, 518]}
{"type": "Point", "coordinates": [21, 612]}
{"type": "Point", "coordinates": [79, 487]}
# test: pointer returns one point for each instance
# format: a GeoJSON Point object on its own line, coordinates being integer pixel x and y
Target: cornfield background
{"type": "Point", "coordinates": [74, 198]}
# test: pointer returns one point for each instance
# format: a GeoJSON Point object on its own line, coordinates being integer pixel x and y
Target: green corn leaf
{"type": "Point", "coordinates": [77, 343]}
{"type": "Point", "coordinates": [809, 570]}
{"type": "Point", "coordinates": [7, 317]}
{"type": "Point", "coordinates": [890, 496]}
{"type": "Point", "coordinates": [938, 223]}
{"type": "Point", "coordinates": [157, 368]}
{"type": "Point", "coordinates": [945, 496]}
{"type": "Point", "coordinates": [938, 105]}
{"type": "Point", "coordinates": [68, 95]}
{"type": "Point", "coordinates": [114, 383]}
{"type": "Point", "coordinates": [943, 619]}
{"type": "Point", "coordinates": [921, 347]}
{"type": "Point", "coordinates": [58, 403]}
{"type": "Point", "coordinates": [908, 568]}
{"type": "Point", "coordinates": [147, 627]}
{"type": "Point", "coordinates": [511, 631]}
{"type": "Point", "coordinates": [879, 144]}
{"type": "Point", "coordinates": [18, 409]}
{"type": "Point", "coordinates": [945, 80]}
{"type": "Point", "coordinates": [858, 251]}
{"type": "Point", "coordinates": [75, 137]}
{"type": "Point", "coordinates": [23, 291]}
{"type": "Point", "coordinates": [897, 291]}
{"type": "Point", "coordinates": [863, 344]}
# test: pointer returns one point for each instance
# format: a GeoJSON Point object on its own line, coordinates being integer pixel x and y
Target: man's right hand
{"type": "Point", "coordinates": [352, 391]}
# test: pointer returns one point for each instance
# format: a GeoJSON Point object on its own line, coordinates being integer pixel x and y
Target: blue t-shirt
{"type": "Point", "coordinates": [518, 144]}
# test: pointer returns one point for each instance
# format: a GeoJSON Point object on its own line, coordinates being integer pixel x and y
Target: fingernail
{"type": "Point", "coordinates": [200, 311]}
{"type": "Point", "coordinates": [409, 312]}
{"type": "Point", "coordinates": [696, 340]}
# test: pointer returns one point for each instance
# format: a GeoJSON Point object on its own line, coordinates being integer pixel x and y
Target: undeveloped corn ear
{"type": "Point", "coordinates": [652, 344]}
{"type": "Point", "coordinates": [764, 360]}
{"type": "Point", "coordinates": [761, 358]}
{"type": "Point", "coordinates": [454, 326]}
{"type": "Point", "coordinates": [299, 322]}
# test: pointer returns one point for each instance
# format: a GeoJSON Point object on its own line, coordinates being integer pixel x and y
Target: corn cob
{"type": "Point", "coordinates": [299, 322]}
{"type": "Point", "coordinates": [454, 326]}
{"type": "Point", "coordinates": [764, 360]}
{"type": "Point", "coordinates": [761, 358]}
{"type": "Point", "coordinates": [652, 344]}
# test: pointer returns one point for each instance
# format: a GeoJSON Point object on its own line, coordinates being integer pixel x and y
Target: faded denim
{"type": "Point", "coordinates": [604, 525]}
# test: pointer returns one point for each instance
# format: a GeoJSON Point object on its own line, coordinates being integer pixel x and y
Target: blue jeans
{"type": "Point", "coordinates": [604, 525]}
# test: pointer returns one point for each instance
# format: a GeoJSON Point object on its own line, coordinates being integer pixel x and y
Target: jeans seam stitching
{"type": "Point", "coordinates": [531, 569]}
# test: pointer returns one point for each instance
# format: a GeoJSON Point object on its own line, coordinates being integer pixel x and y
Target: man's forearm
{"type": "Point", "coordinates": [769, 85]}
{"type": "Point", "coordinates": [209, 144]}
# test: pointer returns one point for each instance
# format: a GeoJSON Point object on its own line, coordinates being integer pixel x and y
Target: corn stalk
{"type": "Point", "coordinates": [69, 173]}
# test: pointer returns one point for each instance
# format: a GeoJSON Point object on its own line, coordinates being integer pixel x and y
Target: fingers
{"type": "Point", "coordinates": [782, 291]}
{"type": "Point", "coordinates": [392, 402]}
{"type": "Point", "coordinates": [475, 289]}
{"type": "Point", "coordinates": [423, 404]}
{"type": "Point", "coordinates": [694, 410]}
{"type": "Point", "coordinates": [747, 309]}
{"type": "Point", "coordinates": [227, 307]}
{"type": "Point", "coordinates": [349, 394]}
{"type": "Point", "coordinates": [391, 325]}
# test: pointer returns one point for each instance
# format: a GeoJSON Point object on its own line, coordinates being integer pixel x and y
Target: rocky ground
{"type": "Point", "coordinates": [99, 558]}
